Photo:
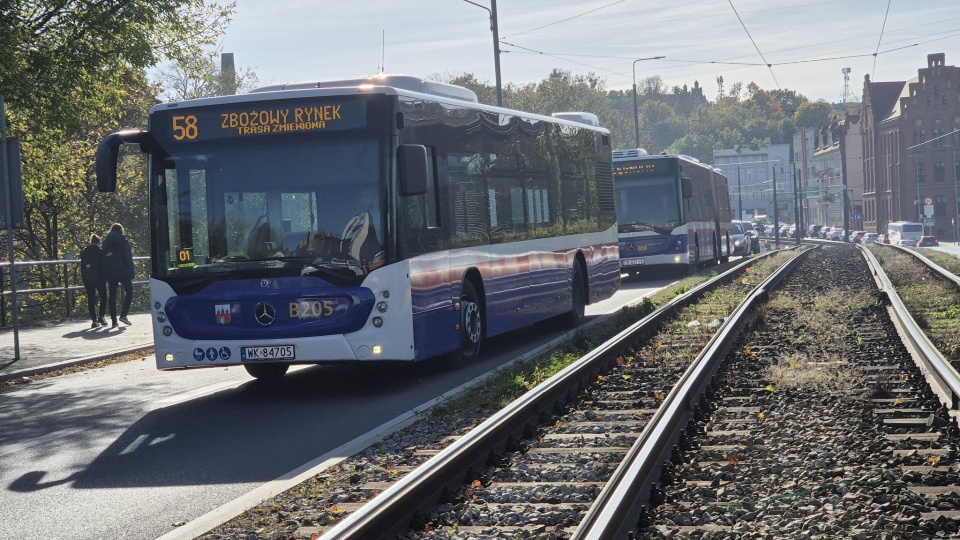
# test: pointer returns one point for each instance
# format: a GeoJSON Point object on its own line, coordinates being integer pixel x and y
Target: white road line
{"type": "Point", "coordinates": [11, 448]}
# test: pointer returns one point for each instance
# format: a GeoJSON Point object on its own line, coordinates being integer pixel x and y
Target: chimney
{"type": "Point", "coordinates": [228, 74]}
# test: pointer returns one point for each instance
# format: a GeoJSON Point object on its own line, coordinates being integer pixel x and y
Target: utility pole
{"type": "Point", "coordinates": [776, 211]}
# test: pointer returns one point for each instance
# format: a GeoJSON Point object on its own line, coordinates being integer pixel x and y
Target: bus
{"type": "Point", "coordinates": [378, 219]}
{"type": "Point", "coordinates": [673, 211]}
{"type": "Point", "coordinates": [909, 231]}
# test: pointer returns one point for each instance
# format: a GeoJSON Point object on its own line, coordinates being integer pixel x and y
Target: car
{"type": "Point", "coordinates": [907, 242]}
{"type": "Point", "coordinates": [754, 236]}
{"type": "Point", "coordinates": [768, 230]}
{"type": "Point", "coordinates": [813, 230]}
{"type": "Point", "coordinates": [928, 241]}
{"type": "Point", "coordinates": [856, 236]}
{"type": "Point", "coordinates": [870, 238]}
{"type": "Point", "coordinates": [742, 238]}
{"type": "Point", "coordinates": [835, 233]}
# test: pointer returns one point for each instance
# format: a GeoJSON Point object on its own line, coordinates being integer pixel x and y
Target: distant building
{"type": "Point", "coordinates": [750, 172]}
{"type": "Point", "coordinates": [689, 100]}
{"type": "Point", "coordinates": [910, 173]}
{"type": "Point", "coordinates": [834, 195]}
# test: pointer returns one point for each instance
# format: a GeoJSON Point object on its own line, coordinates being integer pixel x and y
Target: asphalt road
{"type": "Point", "coordinates": [127, 451]}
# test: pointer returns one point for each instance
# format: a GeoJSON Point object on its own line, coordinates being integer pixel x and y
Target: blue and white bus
{"type": "Point", "coordinates": [672, 211]}
{"type": "Point", "coordinates": [378, 219]}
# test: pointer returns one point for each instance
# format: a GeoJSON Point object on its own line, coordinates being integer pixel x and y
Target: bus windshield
{"type": "Point", "coordinates": [647, 204]}
{"type": "Point", "coordinates": [292, 207]}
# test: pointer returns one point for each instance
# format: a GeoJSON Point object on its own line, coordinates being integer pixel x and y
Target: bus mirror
{"type": "Point", "coordinates": [686, 187]}
{"type": "Point", "coordinates": [109, 150]}
{"type": "Point", "coordinates": [412, 165]}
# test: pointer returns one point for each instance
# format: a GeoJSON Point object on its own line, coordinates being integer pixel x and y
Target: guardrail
{"type": "Point", "coordinates": [65, 281]}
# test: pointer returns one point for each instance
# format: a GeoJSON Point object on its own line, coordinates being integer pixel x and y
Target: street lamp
{"type": "Point", "coordinates": [636, 111]}
{"type": "Point", "coordinates": [492, 10]}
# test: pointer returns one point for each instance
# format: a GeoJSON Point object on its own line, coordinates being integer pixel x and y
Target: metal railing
{"type": "Point", "coordinates": [65, 281]}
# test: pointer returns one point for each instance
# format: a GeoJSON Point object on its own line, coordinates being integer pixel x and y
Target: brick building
{"type": "Point", "coordinates": [905, 163]}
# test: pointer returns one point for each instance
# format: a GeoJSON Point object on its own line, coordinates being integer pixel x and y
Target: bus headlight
{"type": "Point", "coordinates": [376, 350]}
{"type": "Point", "coordinates": [168, 357]}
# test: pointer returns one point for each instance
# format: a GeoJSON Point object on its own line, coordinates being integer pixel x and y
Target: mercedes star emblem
{"type": "Point", "coordinates": [265, 314]}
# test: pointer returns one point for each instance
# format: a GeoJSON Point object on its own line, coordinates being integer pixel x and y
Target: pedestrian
{"type": "Point", "coordinates": [94, 281]}
{"type": "Point", "coordinates": [118, 271]}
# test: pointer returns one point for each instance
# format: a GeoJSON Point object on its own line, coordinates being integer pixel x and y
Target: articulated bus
{"type": "Point", "coordinates": [379, 219]}
{"type": "Point", "coordinates": [672, 210]}
{"type": "Point", "coordinates": [904, 230]}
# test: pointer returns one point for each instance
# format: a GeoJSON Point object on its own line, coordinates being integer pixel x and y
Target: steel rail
{"type": "Point", "coordinates": [391, 511]}
{"type": "Point", "coordinates": [615, 512]}
{"type": "Point", "coordinates": [938, 371]}
{"type": "Point", "coordinates": [936, 268]}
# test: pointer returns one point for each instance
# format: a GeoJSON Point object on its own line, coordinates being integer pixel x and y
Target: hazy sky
{"type": "Point", "coordinates": [808, 42]}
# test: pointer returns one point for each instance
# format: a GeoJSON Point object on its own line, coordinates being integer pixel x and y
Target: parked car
{"type": "Point", "coordinates": [907, 242]}
{"type": "Point", "coordinates": [754, 236]}
{"type": "Point", "coordinates": [928, 241]}
{"type": "Point", "coordinates": [856, 236]}
{"type": "Point", "coordinates": [870, 238]}
{"type": "Point", "coordinates": [834, 233]}
{"type": "Point", "coordinates": [743, 238]}
{"type": "Point", "coordinates": [813, 230]}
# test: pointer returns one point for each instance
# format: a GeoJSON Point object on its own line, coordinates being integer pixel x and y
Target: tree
{"type": "Point", "coordinates": [813, 114]}
{"type": "Point", "coordinates": [71, 72]}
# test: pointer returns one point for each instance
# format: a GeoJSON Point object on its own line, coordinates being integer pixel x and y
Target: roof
{"type": "Point", "coordinates": [885, 99]}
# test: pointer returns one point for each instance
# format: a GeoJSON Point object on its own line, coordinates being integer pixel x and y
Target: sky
{"type": "Point", "coordinates": [801, 45]}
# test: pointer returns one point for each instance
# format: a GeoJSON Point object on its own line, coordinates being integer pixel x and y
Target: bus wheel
{"type": "Point", "coordinates": [579, 300]}
{"type": "Point", "coordinates": [695, 267]}
{"type": "Point", "coordinates": [471, 324]}
{"type": "Point", "coordinates": [266, 372]}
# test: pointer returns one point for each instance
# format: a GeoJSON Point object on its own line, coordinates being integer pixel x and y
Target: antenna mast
{"type": "Point", "coordinates": [847, 96]}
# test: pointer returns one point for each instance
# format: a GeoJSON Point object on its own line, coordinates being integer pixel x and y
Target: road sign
{"type": "Point", "coordinates": [928, 200]}
{"type": "Point", "coordinates": [929, 221]}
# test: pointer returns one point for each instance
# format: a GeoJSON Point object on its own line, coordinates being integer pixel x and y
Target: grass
{"type": "Point", "coordinates": [932, 302]}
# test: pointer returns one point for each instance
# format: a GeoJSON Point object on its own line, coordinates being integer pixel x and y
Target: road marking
{"type": "Point", "coordinates": [11, 448]}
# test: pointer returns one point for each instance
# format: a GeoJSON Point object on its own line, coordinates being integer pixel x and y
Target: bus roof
{"type": "Point", "coordinates": [382, 84]}
{"type": "Point", "coordinates": [405, 82]}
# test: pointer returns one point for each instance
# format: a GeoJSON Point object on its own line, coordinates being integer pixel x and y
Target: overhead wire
{"type": "Point", "coordinates": [565, 20]}
{"type": "Point", "coordinates": [769, 66]}
{"type": "Point", "coordinates": [873, 71]}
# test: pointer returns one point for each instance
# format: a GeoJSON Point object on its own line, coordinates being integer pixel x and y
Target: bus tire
{"type": "Point", "coordinates": [578, 297]}
{"type": "Point", "coordinates": [695, 267]}
{"type": "Point", "coordinates": [266, 372]}
{"type": "Point", "coordinates": [471, 325]}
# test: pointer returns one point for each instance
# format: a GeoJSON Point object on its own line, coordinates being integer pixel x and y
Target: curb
{"type": "Point", "coordinates": [46, 368]}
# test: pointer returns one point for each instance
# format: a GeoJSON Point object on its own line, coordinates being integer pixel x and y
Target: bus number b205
{"type": "Point", "coordinates": [314, 309]}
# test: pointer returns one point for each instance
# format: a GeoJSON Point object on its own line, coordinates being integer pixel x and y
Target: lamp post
{"type": "Point", "coordinates": [636, 106]}
{"type": "Point", "coordinates": [492, 10]}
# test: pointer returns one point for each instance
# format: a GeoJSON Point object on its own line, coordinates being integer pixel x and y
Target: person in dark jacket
{"type": "Point", "coordinates": [91, 271]}
{"type": "Point", "coordinates": [119, 271]}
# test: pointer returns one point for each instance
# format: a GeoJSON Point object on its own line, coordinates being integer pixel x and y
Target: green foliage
{"type": "Point", "coordinates": [72, 72]}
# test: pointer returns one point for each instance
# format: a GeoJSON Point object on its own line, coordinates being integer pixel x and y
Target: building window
{"type": "Point", "coordinates": [921, 173]}
{"type": "Point", "coordinates": [929, 101]}
{"type": "Point", "coordinates": [940, 206]}
{"type": "Point", "coordinates": [939, 175]}
{"type": "Point", "coordinates": [943, 101]}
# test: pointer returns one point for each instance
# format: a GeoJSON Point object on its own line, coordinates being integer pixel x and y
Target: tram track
{"type": "Point", "coordinates": [812, 434]}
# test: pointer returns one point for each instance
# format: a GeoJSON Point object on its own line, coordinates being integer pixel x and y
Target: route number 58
{"type": "Point", "coordinates": [185, 127]}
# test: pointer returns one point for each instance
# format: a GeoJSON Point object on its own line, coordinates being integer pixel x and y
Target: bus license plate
{"type": "Point", "coordinates": [631, 262]}
{"type": "Point", "coordinates": [272, 352]}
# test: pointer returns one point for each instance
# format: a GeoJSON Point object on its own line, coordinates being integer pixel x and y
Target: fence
{"type": "Point", "coordinates": [48, 290]}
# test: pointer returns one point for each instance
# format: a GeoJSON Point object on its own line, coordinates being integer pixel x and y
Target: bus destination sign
{"type": "Point", "coordinates": [656, 166]}
{"type": "Point", "coordinates": [259, 118]}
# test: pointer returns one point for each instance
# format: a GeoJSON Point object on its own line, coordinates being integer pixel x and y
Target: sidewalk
{"type": "Point", "coordinates": [55, 346]}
